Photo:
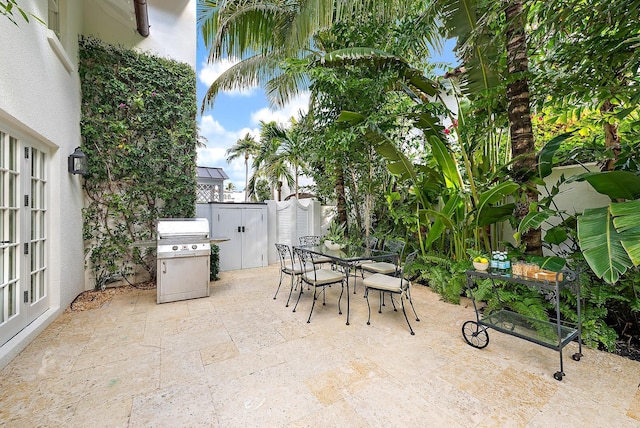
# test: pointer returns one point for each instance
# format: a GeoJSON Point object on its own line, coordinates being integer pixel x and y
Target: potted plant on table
{"type": "Point", "coordinates": [335, 240]}
{"type": "Point", "coordinates": [479, 259]}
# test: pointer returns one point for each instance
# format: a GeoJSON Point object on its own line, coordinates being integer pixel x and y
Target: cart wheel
{"type": "Point", "coordinates": [576, 356]}
{"type": "Point", "coordinates": [475, 335]}
{"type": "Point", "coordinates": [558, 375]}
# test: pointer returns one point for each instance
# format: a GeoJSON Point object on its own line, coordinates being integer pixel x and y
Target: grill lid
{"type": "Point", "coordinates": [172, 228]}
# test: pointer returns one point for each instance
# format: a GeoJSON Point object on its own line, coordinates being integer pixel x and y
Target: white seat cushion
{"type": "Point", "coordinates": [379, 267]}
{"type": "Point", "coordinates": [321, 259]}
{"type": "Point", "coordinates": [383, 282]}
{"type": "Point", "coordinates": [323, 276]}
{"type": "Point", "coordinates": [296, 269]}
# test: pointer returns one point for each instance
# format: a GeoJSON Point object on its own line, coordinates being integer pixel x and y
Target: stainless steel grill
{"type": "Point", "coordinates": [183, 252]}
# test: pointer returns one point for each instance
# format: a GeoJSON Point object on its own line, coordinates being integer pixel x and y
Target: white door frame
{"type": "Point", "coordinates": [24, 284]}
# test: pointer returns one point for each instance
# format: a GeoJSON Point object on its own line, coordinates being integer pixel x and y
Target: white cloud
{"type": "Point", "coordinates": [282, 116]}
{"type": "Point", "coordinates": [219, 140]}
{"type": "Point", "coordinates": [208, 73]}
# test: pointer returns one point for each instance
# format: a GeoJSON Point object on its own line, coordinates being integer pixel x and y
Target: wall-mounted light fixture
{"type": "Point", "coordinates": [78, 162]}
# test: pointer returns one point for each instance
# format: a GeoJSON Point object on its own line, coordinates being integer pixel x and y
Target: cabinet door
{"type": "Point", "coordinates": [227, 223]}
{"type": "Point", "coordinates": [253, 237]}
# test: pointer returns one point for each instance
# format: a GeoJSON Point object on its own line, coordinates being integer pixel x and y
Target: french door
{"type": "Point", "coordinates": [23, 234]}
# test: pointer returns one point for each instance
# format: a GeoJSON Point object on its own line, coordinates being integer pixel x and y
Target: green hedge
{"type": "Point", "coordinates": [139, 133]}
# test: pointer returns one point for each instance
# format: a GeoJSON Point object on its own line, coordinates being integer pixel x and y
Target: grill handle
{"type": "Point", "coordinates": [164, 267]}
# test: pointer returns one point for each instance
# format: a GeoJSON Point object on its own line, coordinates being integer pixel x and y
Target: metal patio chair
{"type": "Point", "coordinates": [386, 267]}
{"type": "Point", "coordinates": [317, 278]}
{"type": "Point", "coordinates": [314, 240]}
{"type": "Point", "coordinates": [394, 285]}
{"type": "Point", "coordinates": [289, 267]}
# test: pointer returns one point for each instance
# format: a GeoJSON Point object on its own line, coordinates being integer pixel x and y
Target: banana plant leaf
{"type": "Point", "coordinates": [555, 235]}
{"type": "Point", "coordinates": [428, 123]}
{"type": "Point", "coordinates": [444, 218]}
{"type": "Point", "coordinates": [495, 214]}
{"type": "Point", "coordinates": [545, 157]}
{"type": "Point", "coordinates": [534, 219]}
{"type": "Point", "coordinates": [492, 196]}
{"type": "Point", "coordinates": [552, 263]}
{"type": "Point", "coordinates": [627, 222]}
{"type": "Point", "coordinates": [601, 244]}
{"type": "Point", "coordinates": [351, 117]}
{"type": "Point", "coordinates": [446, 162]}
{"type": "Point", "coordinates": [614, 184]}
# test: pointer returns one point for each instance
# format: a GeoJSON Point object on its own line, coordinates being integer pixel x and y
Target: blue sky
{"type": "Point", "coordinates": [237, 113]}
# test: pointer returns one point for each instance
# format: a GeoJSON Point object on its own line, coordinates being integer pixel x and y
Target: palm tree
{"type": "Point", "coordinates": [519, 113]}
{"type": "Point", "coordinates": [270, 163]}
{"type": "Point", "coordinates": [290, 146]}
{"type": "Point", "coordinates": [246, 147]}
{"type": "Point", "coordinates": [265, 34]}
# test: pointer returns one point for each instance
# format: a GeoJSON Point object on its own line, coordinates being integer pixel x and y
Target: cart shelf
{"type": "Point", "coordinates": [553, 334]}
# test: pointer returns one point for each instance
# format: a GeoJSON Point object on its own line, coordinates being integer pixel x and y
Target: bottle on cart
{"type": "Point", "coordinates": [494, 260]}
{"type": "Point", "coordinates": [500, 261]}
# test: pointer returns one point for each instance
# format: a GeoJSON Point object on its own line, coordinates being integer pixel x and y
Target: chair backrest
{"type": "Point", "coordinates": [395, 246]}
{"type": "Point", "coordinates": [284, 252]}
{"type": "Point", "coordinates": [406, 268]}
{"type": "Point", "coordinates": [371, 242]}
{"type": "Point", "coordinates": [305, 258]}
{"type": "Point", "coordinates": [309, 240]}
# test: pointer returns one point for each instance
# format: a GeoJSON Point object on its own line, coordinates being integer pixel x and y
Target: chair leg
{"type": "Point", "coordinates": [340, 298]}
{"type": "Point", "coordinates": [313, 303]}
{"type": "Point", "coordinates": [300, 294]}
{"type": "Point", "coordinates": [393, 302]}
{"type": "Point", "coordinates": [405, 316]}
{"type": "Point", "coordinates": [291, 290]}
{"type": "Point", "coordinates": [413, 307]}
{"type": "Point", "coordinates": [381, 299]}
{"type": "Point", "coordinates": [279, 283]}
{"type": "Point", "coordinates": [366, 296]}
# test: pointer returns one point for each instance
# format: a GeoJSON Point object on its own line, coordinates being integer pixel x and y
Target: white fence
{"type": "Point", "coordinates": [289, 220]}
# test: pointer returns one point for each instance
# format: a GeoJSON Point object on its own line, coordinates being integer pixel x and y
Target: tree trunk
{"type": "Point", "coordinates": [341, 200]}
{"type": "Point", "coordinates": [519, 112]}
{"type": "Point", "coordinates": [611, 137]}
{"type": "Point", "coordinates": [297, 185]}
{"type": "Point", "coordinates": [246, 177]}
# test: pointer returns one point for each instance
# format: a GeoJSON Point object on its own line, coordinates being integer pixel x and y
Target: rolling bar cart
{"type": "Point", "coordinates": [554, 334]}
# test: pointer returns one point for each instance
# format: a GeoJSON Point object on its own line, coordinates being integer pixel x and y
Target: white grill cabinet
{"type": "Point", "coordinates": [183, 253]}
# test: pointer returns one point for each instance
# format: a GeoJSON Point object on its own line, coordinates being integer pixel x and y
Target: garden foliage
{"type": "Point", "coordinates": [139, 134]}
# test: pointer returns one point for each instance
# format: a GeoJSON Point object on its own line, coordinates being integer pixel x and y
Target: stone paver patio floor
{"type": "Point", "coordinates": [240, 359]}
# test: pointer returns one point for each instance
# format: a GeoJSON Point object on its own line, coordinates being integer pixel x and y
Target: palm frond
{"type": "Point", "coordinates": [251, 72]}
{"type": "Point", "coordinates": [283, 87]}
{"type": "Point", "coordinates": [245, 28]}
{"type": "Point", "coordinates": [461, 21]}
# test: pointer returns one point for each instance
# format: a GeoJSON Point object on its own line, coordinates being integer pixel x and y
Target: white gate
{"type": "Point", "coordinates": [289, 220]}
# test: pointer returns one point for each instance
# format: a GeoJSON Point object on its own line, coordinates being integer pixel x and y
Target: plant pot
{"type": "Point", "coordinates": [480, 266]}
{"type": "Point", "coordinates": [332, 245]}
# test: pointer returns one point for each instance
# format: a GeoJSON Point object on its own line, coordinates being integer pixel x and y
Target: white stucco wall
{"type": "Point", "coordinates": [40, 105]}
{"type": "Point", "coordinates": [172, 32]}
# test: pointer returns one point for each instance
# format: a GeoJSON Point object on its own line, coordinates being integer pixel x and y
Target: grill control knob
{"type": "Point", "coordinates": [194, 247]}
{"type": "Point", "coordinates": [174, 248]}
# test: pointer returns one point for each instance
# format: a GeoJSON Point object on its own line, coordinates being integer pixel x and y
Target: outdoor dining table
{"type": "Point", "coordinates": [348, 258]}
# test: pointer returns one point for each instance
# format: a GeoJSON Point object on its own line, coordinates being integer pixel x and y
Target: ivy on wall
{"type": "Point", "coordinates": [140, 137]}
